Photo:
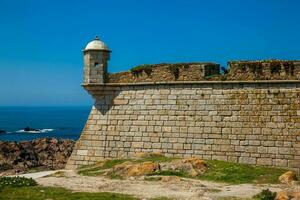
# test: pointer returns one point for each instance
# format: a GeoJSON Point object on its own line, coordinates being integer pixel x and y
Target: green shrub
{"type": "Point", "coordinates": [5, 166]}
{"type": "Point", "coordinates": [174, 69]}
{"type": "Point", "coordinates": [17, 182]}
{"type": "Point", "coordinates": [289, 68]}
{"type": "Point", "coordinates": [136, 71]}
{"type": "Point", "coordinates": [275, 67]}
{"type": "Point", "coordinates": [265, 195]}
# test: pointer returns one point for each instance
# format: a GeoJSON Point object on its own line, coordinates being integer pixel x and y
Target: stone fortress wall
{"type": "Point", "coordinates": [250, 115]}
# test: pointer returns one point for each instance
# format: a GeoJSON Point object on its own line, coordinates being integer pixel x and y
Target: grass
{"type": "Point", "coordinates": [98, 168]}
{"type": "Point", "coordinates": [219, 171]}
{"type": "Point", "coordinates": [139, 69]}
{"type": "Point", "coordinates": [16, 182]}
{"type": "Point", "coordinates": [42, 193]}
{"type": "Point", "coordinates": [234, 198]}
{"type": "Point", "coordinates": [161, 198]}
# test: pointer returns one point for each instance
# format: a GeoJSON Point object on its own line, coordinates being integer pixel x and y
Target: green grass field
{"type": "Point", "coordinates": [221, 171]}
{"type": "Point", "coordinates": [43, 193]}
{"type": "Point", "coordinates": [54, 193]}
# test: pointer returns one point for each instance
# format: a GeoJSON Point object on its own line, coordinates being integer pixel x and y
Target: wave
{"type": "Point", "coordinates": [36, 131]}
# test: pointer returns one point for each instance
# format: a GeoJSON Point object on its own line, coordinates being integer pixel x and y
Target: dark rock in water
{"type": "Point", "coordinates": [30, 129]}
{"type": "Point", "coordinates": [46, 153]}
{"type": "Point", "coordinates": [2, 131]}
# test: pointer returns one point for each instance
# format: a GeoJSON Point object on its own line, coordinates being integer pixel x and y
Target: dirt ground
{"type": "Point", "coordinates": [184, 189]}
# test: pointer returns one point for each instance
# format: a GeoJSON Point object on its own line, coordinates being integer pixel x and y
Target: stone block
{"type": "Point", "coordinates": [120, 101]}
{"type": "Point", "coordinates": [82, 152]}
{"type": "Point", "coordinates": [247, 160]}
{"type": "Point", "coordinates": [178, 146]}
{"type": "Point", "coordinates": [280, 163]}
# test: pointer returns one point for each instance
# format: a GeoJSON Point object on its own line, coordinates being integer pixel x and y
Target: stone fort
{"type": "Point", "coordinates": [250, 114]}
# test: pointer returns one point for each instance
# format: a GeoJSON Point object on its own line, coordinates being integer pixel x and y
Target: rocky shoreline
{"type": "Point", "coordinates": [44, 154]}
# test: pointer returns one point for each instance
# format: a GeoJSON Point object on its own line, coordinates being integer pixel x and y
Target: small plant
{"type": "Point", "coordinates": [223, 78]}
{"type": "Point", "coordinates": [265, 195]}
{"type": "Point", "coordinates": [17, 182]}
{"type": "Point", "coordinates": [174, 69]}
{"type": "Point", "coordinates": [255, 68]}
{"type": "Point", "coordinates": [211, 70]}
{"type": "Point", "coordinates": [136, 71]}
{"type": "Point", "coordinates": [275, 67]}
{"type": "Point", "coordinates": [5, 166]}
{"type": "Point", "coordinates": [224, 70]}
{"type": "Point", "coordinates": [289, 68]}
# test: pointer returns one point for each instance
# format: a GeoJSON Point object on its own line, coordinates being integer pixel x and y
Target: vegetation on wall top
{"type": "Point", "coordinates": [173, 67]}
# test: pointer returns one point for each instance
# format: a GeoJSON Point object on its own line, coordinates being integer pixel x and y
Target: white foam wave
{"type": "Point", "coordinates": [37, 131]}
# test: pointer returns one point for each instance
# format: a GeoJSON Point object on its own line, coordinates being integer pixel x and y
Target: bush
{"type": "Point", "coordinates": [16, 182]}
{"type": "Point", "coordinates": [174, 69]}
{"type": "Point", "coordinates": [265, 195]}
{"type": "Point", "coordinates": [136, 71]}
{"type": "Point", "coordinates": [5, 166]}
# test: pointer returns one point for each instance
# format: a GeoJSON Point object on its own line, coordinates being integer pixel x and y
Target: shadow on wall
{"type": "Point", "coordinates": [105, 101]}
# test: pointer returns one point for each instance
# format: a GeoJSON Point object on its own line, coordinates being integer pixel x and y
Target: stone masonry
{"type": "Point", "coordinates": [167, 72]}
{"type": "Point", "coordinates": [243, 122]}
{"type": "Point", "coordinates": [251, 114]}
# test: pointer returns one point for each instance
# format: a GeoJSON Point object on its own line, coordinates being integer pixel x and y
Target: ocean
{"type": "Point", "coordinates": [58, 122]}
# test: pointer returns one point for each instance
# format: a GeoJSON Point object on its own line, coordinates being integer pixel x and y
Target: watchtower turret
{"type": "Point", "coordinates": [96, 55]}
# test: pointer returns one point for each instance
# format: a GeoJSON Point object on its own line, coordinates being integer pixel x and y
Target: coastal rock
{"type": "Point", "coordinates": [27, 129]}
{"type": "Point", "coordinates": [45, 153]}
{"type": "Point", "coordinates": [2, 131]}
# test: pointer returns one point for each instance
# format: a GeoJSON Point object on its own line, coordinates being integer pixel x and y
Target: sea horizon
{"type": "Point", "coordinates": [61, 122]}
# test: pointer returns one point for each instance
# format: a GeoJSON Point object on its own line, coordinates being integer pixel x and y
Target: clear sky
{"type": "Point", "coordinates": [41, 40]}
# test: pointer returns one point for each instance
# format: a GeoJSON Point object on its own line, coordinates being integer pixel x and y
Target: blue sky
{"type": "Point", "coordinates": [41, 40]}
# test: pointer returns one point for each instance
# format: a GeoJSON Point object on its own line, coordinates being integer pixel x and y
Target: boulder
{"type": "Point", "coordinates": [129, 169]}
{"type": "Point", "coordinates": [144, 168]}
{"type": "Point", "coordinates": [283, 195]}
{"type": "Point", "coordinates": [296, 195]}
{"type": "Point", "coordinates": [192, 166]}
{"type": "Point", "coordinates": [287, 195]}
{"type": "Point", "coordinates": [197, 163]}
{"type": "Point", "coordinates": [288, 177]}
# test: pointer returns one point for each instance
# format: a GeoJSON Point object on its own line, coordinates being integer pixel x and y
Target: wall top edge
{"type": "Point", "coordinates": [195, 82]}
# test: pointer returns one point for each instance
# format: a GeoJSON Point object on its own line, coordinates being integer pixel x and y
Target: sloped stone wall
{"type": "Point", "coordinates": [243, 122]}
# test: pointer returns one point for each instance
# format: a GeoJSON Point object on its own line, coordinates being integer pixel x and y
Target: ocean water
{"type": "Point", "coordinates": [59, 122]}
